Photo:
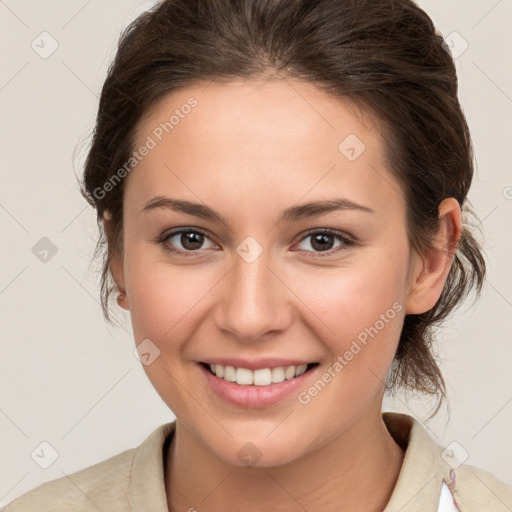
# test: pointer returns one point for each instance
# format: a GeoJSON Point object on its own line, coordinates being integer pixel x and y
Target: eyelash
{"type": "Point", "coordinates": [346, 241]}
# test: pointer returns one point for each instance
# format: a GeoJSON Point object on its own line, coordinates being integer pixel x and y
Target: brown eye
{"type": "Point", "coordinates": [191, 240]}
{"type": "Point", "coordinates": [186, 240]}
{"type": "Point", "coordinates": [324, 241]}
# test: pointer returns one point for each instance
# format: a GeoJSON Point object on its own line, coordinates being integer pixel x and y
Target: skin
{"type": "Point", "coordinates": [249, 150]}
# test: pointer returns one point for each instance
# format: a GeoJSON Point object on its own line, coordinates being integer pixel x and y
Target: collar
{"type": "Point", "coordinates": [417, 489]}
{"type": "Point", "coordinates": [423, 471]}
{"type": "Point", "coordinates": [147, 477]}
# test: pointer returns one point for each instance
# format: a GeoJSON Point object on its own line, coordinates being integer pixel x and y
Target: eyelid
{"type": "Point", "coordinates": [341, 234]}
{"type": "Point", "coordinates": [347, 241]}
{"type": "Point", "coordinates": [183, 229]}
{"type": "Point", "coordinates": [166, 235]}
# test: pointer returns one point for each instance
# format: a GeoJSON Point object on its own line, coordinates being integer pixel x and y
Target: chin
{"type": "Point", "coordinates": [259, 450]}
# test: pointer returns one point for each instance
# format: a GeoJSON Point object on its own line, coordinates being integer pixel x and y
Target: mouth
{"type": "Point", "coordinates": [260, 377]}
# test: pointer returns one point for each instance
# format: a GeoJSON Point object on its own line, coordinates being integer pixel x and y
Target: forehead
{"type": "Point", "coordinates": [288, 111]}
{"type": "Point", "coordinates": [285, 137]}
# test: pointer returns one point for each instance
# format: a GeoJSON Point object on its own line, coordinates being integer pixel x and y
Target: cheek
{"type": "Point", "coordinates": [359, 309]}
{"type": "Point", "coordinates": [358, 318]}
{"type": "Point", "coordinates": [354, 296]}
{"type": "Point", "coordinates": [163, 298]}
{"type": "Point", "coordinates": [166, 306]}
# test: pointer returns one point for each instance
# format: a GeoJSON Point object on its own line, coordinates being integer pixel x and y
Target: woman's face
{"type": "Point", "coordinates": [255, 281]}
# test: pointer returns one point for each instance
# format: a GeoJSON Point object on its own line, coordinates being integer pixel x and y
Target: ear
{"type": "Point", "coordinates": [430, 269]}
{"type": "Point", "coordinates": [116, 263]}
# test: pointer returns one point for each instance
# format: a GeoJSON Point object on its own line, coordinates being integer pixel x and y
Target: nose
{"type": "Point", "coordinates": [255, 302]}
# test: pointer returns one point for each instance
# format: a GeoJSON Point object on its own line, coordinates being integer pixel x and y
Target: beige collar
{"type": "Point", "coordinates": [418, 487]}
{"type": "Point", "coordinates": [419, 483]}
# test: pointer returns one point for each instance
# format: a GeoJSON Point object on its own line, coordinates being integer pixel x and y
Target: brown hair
{"type": "Point", "coordinates": [384, 55]}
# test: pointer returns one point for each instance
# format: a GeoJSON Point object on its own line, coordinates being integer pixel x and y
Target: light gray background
{"type": "Point", "coordinates": [68, 379]}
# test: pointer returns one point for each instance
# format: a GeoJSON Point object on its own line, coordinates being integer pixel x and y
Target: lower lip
{"type": "Point", "coordinates": [252, 396]}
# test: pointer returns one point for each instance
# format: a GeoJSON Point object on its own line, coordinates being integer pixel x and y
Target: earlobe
{"type": "Point", "coordinates": [116, 268]}
{"type": "Point", "coordinates": [116, 265]}
{"type": "Point", "coordinates": [430, 269]}
{"type": "Point", "coordinates": [122, 301]}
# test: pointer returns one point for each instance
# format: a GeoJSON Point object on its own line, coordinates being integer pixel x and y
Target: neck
{"type": "Point", "coordinates": [357, 470]}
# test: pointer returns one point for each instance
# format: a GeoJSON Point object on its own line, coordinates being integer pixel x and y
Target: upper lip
{"type": "Point", "coordinates": [256, 364]}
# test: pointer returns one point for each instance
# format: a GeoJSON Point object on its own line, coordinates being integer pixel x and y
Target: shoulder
{"type": "Point", "coordinates": [427, 466]}
{"type": "Point", "coordinates": [477, 489]}
{"type": "Point", "coordinates": [118, 484]}
{"type": "Point", "coordinates": [83, 490]}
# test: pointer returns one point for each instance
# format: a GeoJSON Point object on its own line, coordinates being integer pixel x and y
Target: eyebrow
{"type": "Point", "coordinates": [296, 212]}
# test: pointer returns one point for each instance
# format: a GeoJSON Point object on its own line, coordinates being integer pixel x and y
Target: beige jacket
{"type": "Point", "coordinates": [133, 481]}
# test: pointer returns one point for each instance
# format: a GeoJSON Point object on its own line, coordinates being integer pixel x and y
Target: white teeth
{"type": "Point", "coordinates": [230, 373]}
{"type": "Point", "coordinates": [289, 373]}
{"type": "Point", "coordinates": [261, 377]}
{"type": "Point", "coordinates": [278, 374]}
{"type": "Point", "coordinates": [243, 376]}
{"type": "Point", "coordinates": [301, 369]}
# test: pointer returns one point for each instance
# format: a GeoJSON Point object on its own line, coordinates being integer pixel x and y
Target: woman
{"type": "Point", "coordinates": [279, 188]}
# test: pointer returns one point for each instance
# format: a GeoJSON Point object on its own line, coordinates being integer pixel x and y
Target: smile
{"type": "Point", "coordinates": [260, 377]}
